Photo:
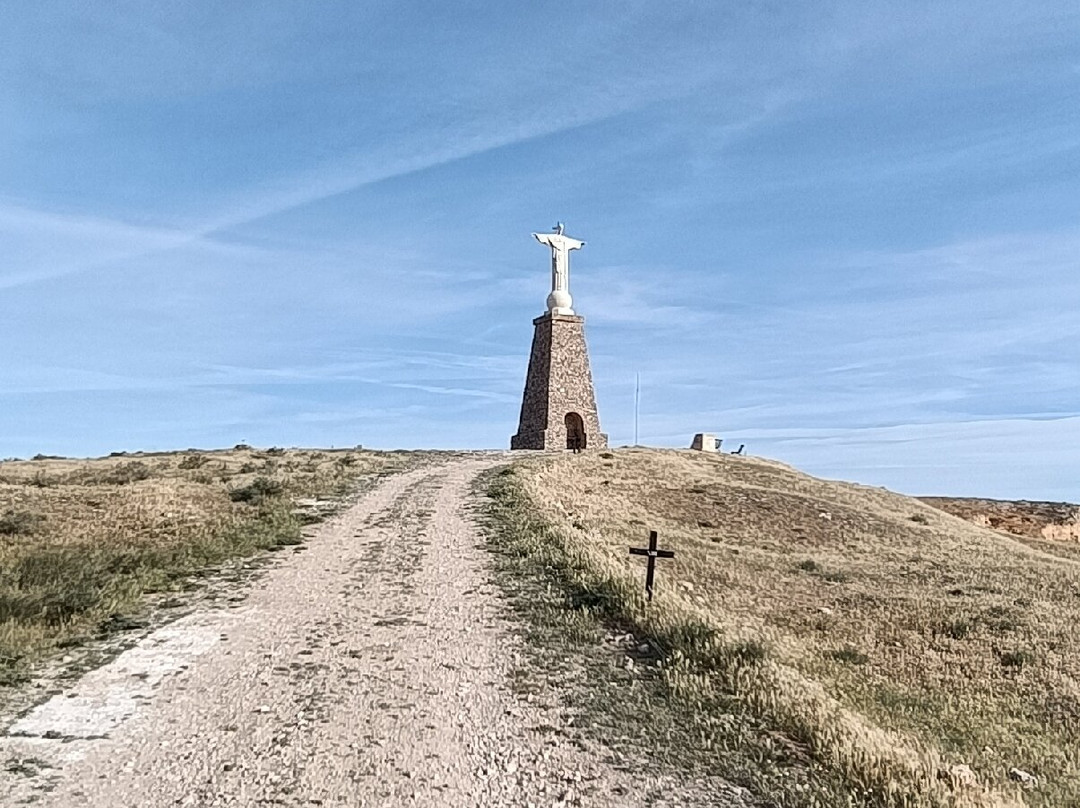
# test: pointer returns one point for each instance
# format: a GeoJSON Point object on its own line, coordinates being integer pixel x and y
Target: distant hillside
{"type": "Point", "coordinates": [1057, 521]}
{"type": "Point", "coordinates": [903, 648]}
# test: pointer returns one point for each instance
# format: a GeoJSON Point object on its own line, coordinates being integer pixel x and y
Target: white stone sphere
{"type": "Point", "coordinates": [558, 300]}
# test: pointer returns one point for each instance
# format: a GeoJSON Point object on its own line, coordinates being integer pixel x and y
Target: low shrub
{"type": "Point", "coordinates": [126, 473]}
{"type": "Point", "coordinates": [1016, 659]}
{"type": "Point", "coordinates": [958, 629]}
{"type": "Point", "coordinates": [849, 655]}
{"type": "Point", "coordinates": [18, 523]}
{"type": "Point", "coordinates": [257, 491]}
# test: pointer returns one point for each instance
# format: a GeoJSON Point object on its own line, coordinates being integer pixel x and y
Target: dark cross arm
{"type": "Point", "coordinates": [652, 553]}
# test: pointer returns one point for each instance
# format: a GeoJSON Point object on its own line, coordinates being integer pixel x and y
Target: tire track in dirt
{"type": "Point", "coordinates": [370, 669]}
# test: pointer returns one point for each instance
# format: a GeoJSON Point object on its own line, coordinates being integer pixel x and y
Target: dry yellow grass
{"type": "Point", "coordinates": [898, 641]}
{"type": "Point", "coordinates": [81, 540]}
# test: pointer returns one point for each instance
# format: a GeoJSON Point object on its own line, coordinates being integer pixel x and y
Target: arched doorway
{"type": "Point", "coordinates": [575, 431]}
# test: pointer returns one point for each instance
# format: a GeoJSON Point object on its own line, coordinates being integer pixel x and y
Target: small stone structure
{"type": "Point", "coordinates": [558, 409]}
{"type": "Point", "coordinates": [705, 442]}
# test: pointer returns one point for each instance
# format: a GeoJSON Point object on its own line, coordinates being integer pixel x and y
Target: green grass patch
{"type": "Point", "coordinates": [51, 593]}
{"type": "Point", "coordinates": [83, 542]}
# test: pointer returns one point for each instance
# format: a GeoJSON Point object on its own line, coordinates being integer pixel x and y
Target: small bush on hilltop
{"type": "Point", "coordinates": [42, 480]}
{"type": "Point", "coordinates": [193, 461]}
{"type": "Point", "coordinates": [257, 491]}
{"type": "Point", "coordinates": [127, 473]}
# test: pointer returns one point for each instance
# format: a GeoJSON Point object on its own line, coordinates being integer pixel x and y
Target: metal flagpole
{"type": "Point", "coordinates": [637, 400]}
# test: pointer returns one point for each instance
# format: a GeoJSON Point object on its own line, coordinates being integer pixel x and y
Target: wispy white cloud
{"type": "Point", "coordinates": [979, 330]}
{"type": "Point", "coordinates": [44, 244]}
{"type": "Point", "coordinates": [304, 244]}
{"type": "Point", "coordinates": [524, 105]}
{"type": "Point", "coordinates": [486, 376]}
{"type": "Point", "coordinates": [60, 244]}
{"type": "Point", "coordinates": [647, 297]}
{"type": "Point", "coordinates": [1015, 458]}
{"type": "Point", "coordinates": [1009, 459]}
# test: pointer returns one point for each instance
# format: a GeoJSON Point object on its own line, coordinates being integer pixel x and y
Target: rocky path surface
{"type": "Point", "coordinates": [370, 669]}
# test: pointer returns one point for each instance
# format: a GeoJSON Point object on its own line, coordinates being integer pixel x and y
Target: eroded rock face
{"type": "Point", "coordinates": [1056, 521]}
{"type": "Point", "coordinates": [1064, 532]}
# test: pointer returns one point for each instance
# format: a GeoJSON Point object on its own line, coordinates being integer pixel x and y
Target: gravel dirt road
{"type": "Point", "coordinates": [369, 669]}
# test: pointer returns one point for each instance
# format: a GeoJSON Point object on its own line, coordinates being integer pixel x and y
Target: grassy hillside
{"type": "Point", "coordinates": [81, 541]}
{"type": "Point", "coordinates": [918, 656]}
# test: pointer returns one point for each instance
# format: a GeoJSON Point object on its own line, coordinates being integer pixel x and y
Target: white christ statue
{"type": "Point", "coordinates": [559, 301]}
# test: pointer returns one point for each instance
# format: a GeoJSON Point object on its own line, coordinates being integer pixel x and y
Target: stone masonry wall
{"type": "Point", "coordinates": [534, 403]}
{"type": "Point", "coordinates": [559, 381]}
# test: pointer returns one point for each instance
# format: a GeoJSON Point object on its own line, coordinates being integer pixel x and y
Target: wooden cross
{"type": "Point", "coordinates": [653, 554]}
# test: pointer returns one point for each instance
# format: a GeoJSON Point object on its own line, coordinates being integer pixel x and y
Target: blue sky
{"type": "Point", "coordinates": [846, 234]}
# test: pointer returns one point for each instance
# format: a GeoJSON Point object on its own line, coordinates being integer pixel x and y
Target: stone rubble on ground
{"type": "Point", "coordinates": [1026, 779]}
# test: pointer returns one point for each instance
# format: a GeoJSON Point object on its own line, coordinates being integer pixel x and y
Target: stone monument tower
{"type": "Point", "coordinates": [558, 410]}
